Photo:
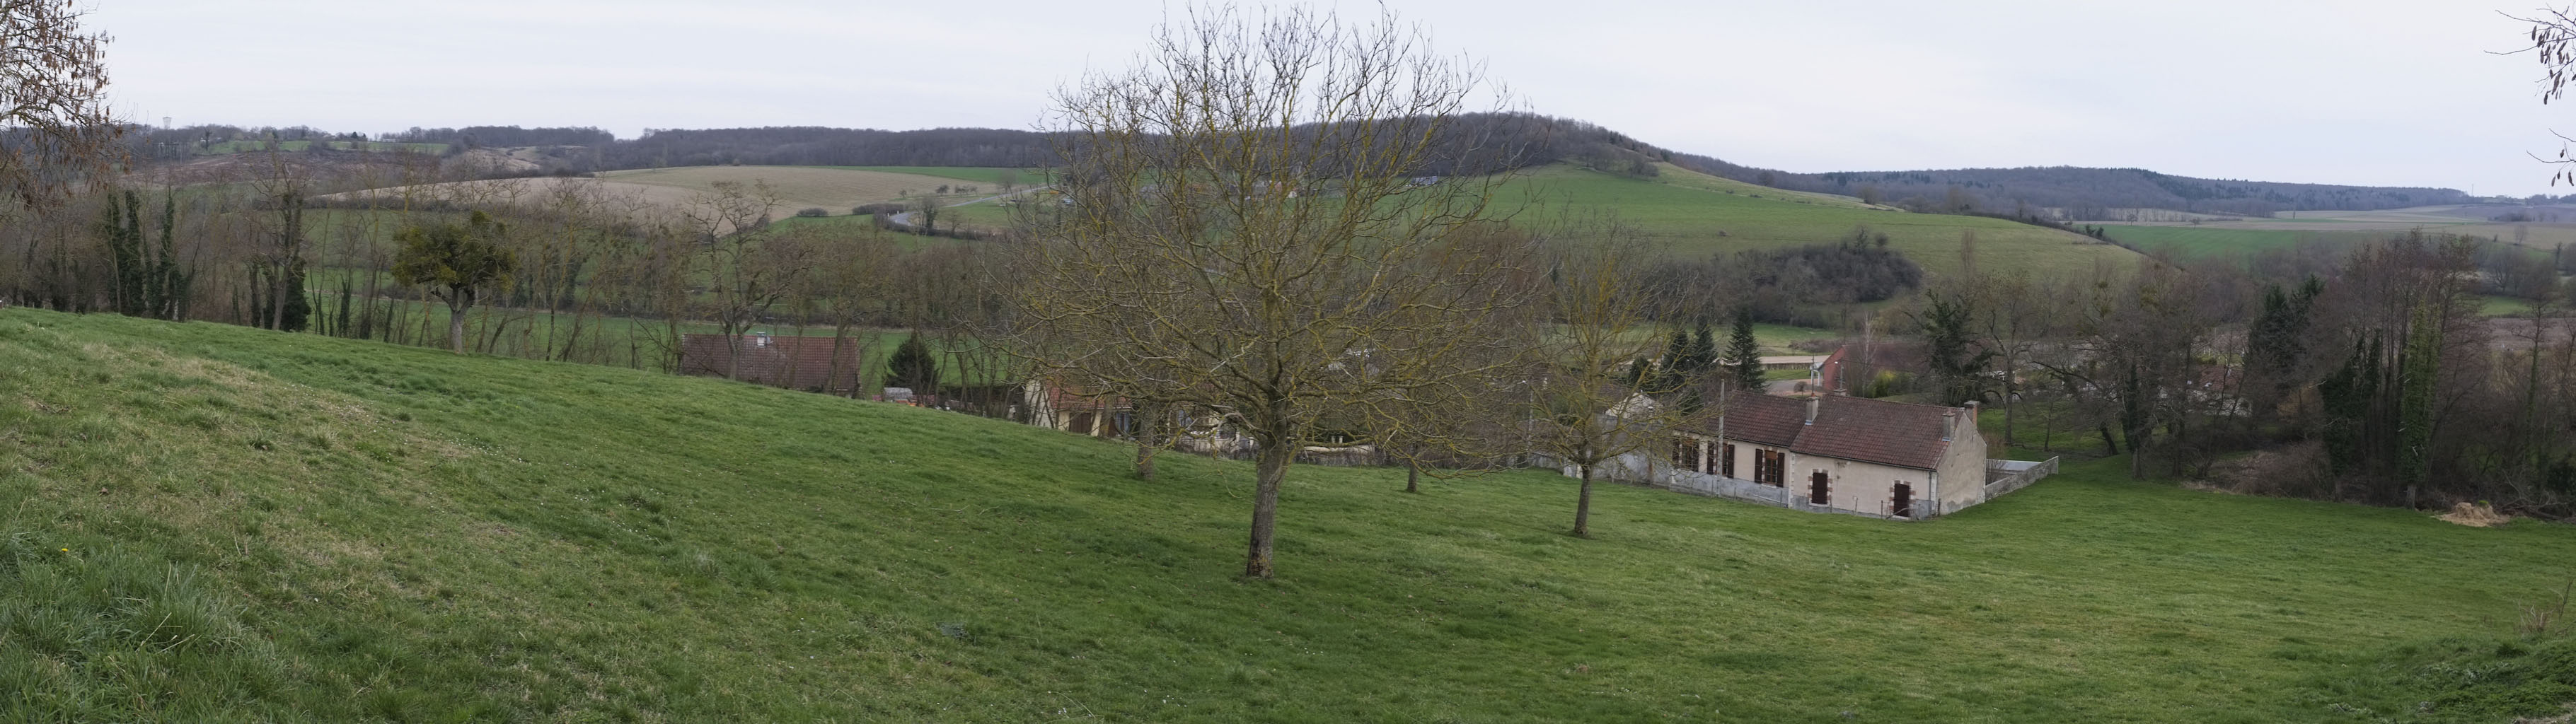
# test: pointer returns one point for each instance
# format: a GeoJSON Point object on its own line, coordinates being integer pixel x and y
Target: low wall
{"type": "Point", "coordinates": [2004, 476]}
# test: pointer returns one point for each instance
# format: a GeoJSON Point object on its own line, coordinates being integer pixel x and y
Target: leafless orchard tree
{"type": "Point", "coordinates": [1247, 232]}
{"type": "Point", "coordinates": [746, 267]}
{"type": "Point", "coordinates": [1584, 403]}
{"type": "Point", "coordinates": [53, 101]}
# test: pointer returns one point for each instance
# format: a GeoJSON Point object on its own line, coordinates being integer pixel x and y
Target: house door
{"type": "Point", "coordinates": [1818, 490]}
{"type": "Point", "coordinates": [1903, 506]}
{"type": "Point", "coordinates": [1082, 422]}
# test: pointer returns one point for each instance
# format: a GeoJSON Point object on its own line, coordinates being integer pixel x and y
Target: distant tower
{"type": "Point", "coordinates": [165, 123]}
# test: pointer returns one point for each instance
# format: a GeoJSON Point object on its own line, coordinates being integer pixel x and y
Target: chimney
{"type": "Point", "coordinates": [1813, 403]}
{"type": "Point", "coordinates": [1949, 424]}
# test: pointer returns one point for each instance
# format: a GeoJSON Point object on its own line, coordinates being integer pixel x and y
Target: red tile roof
{"type": "Point", "coordinates": [1850, 428]}
{"type": "Point", "coordinates": [803, 363]}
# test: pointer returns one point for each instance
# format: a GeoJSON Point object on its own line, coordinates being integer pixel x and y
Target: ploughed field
{"type": "Point", "coordinates": [211, 523]}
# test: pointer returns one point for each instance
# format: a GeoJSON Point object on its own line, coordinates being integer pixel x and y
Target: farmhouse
{"type": "Point", "coordinates": [813, 364]}
{"type": "Point", "coordinates": [1834, 453]}
{"type": "Point", "coordinates": [1070, 408]}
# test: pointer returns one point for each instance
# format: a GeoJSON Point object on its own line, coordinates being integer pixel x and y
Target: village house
{"type": "Point", "coordinates": [812, 364]}
{"type": "Point", "coordinates": [1076, 410]}
{"type": "Point", "coordinates": [1833, 453]}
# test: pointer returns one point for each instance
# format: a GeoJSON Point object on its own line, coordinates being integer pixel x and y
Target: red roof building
{"type": "Point", "coordinates": [814, 364]}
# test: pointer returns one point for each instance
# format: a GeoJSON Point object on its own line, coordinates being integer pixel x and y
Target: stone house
{"type": "Point", "coordinates": [1832, 453]}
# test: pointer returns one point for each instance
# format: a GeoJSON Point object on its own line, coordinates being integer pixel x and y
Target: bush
{"type": "Point", "coordinates": [815, 213]}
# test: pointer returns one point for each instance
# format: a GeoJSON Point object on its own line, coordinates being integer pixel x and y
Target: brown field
{"type": "Point", "coordinates": [665, 193]}
{"type": "Point", "coordinates": [798, 187]}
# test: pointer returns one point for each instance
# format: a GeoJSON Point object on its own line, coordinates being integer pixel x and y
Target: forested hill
{"type": "Point", "coordinates": [2082, 194]}
{"type": "Point", "coordinates": [1471, 144]}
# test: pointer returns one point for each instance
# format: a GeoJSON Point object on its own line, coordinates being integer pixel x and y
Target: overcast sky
{"type": "Point", "coordinates": [2351, 91]}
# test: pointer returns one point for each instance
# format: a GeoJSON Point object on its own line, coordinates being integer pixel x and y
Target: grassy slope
{"type": "Point", "coordinates": [1685, 212]}
{"type": "Point", "coordinates": [981, 174]}
{"type": "Point", "coordinates": [2190, 242]}
{"type": "Point", "coordinates": [280, 527]}
{"type": "Point", "coordinates": [2226, 240]}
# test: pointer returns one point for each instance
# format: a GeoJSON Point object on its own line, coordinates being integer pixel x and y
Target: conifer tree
{"type": "Point", "coordinates": [913, 367]}
{"type": "Point", "coordinates": [2417, 368]}
{"type": "Point", "coordinates": [1744, 353]}
{"type": "Point", "coordinates": [1703, 349]}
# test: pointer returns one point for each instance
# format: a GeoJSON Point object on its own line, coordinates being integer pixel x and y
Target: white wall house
{"type": "Point", "coordinates": [1832, 453]}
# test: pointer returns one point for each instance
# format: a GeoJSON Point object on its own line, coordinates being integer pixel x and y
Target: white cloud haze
{"type": "Point", "coordinates": [2361, 92]}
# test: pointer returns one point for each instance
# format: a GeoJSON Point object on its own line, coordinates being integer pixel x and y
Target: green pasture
{"type": "Point", "coordinates": [989, 176]}
{"type": "Point", "coordinates": [1685, 213]}
{"type": "Point", "coordinates": [207, 523]}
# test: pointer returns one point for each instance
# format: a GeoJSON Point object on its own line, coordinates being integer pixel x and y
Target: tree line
{"type": "Point", "coordinates": [2076, 193]}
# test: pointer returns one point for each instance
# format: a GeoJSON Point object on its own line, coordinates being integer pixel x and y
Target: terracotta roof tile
{"type": "Point", "coordinates": [800, 362]}
{"type": "Point", "coordinates": [1850, 428]}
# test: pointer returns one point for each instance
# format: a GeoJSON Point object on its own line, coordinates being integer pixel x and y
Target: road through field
{"type": "Point", "coordinates": [903, 219]}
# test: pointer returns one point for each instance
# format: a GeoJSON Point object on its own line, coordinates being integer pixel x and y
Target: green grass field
{"type": "Point", "coordinates": [615, 341]}
{"type": "Point", "coordinates": [1683, 212]}
{"type": "Point", "coordinates": [992, 177]}
{"type": "Point", "coordinates": [1688, 213]}
{"type": "Point", "coordinates": [2226, 240]}
{"type": "Point", "coordinates": [209, 523]}
{"type": "Point", "coordinates": [2197, 242]}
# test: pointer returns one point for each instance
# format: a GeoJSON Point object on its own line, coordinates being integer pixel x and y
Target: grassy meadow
{"type": "Point", "coordinates": [1683, 212]}
{"type": "Point", "coordinates": [211, 524]}
{"type": "Point", "coordinates": [2237, 239]}
{"type": "Point", "coordinates": [1687, 213]}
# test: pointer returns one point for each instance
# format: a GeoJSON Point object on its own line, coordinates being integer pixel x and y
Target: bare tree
{"type": "Point", "coordinates": [2011, 322]}
{"type": "Point", "coordinates": [1585, 402]}
{"type": "Point", "coordinates": [53, 100]}
{"type": "Point", "coordinates": [745, 266]}
{"type": "Point", "coordinates": [2553, 43]}
{"type": "Point", "coordinates": [1249, 232]}
{"type": "Point", "coordinates": [928, 208]}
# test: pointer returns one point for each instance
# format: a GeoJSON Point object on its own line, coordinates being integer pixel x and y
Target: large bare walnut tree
{"type": "Point", "coordinates": [1246, 228]}
{"type": "Point", "coordinates": [54, 123]}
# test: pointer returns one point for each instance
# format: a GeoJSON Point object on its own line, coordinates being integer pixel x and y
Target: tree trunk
{"type": "Point", "coordinates": [1149, 427]}
{"type": "Point", "coordinates": [456, 323]}
{"type": "Point", "coordinates": [2009, 368]}
{"type": "Point", "coordinates": [1270, 468]}
{"type": "Point", "coordinates": [1583, 504]}
{"type": "Point", "coordinates": [1412, 477]}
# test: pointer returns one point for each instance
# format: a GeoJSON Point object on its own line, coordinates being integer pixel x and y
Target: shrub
{"type": "Point", "coordinates": [814, 213]}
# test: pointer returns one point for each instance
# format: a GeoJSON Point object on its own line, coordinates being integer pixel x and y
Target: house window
{"type": "Point", "coordinates": [1686, 454]}
{"type": "Point", "coordinates": [1726, 460]}
{"type": "Point", "coordinates": [1082, 422]}
{"type": "Point", "coordinates": [1771, 467]}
